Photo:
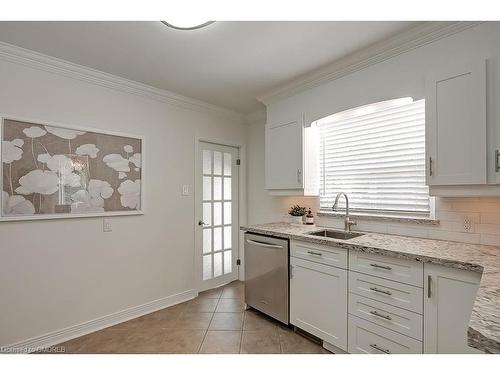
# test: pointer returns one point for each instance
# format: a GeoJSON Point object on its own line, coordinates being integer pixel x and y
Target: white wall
{"type": "Point", "coordinates": [59, 273]}
{"type": "Point", "coordinates": [400, 76]}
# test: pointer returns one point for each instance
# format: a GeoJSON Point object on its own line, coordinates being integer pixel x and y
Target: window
{"type": "Point", "coordinates": [376, 154]}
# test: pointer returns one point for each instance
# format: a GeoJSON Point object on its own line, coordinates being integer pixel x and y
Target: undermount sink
{"type": "Point", "coordinates": [341, 235]}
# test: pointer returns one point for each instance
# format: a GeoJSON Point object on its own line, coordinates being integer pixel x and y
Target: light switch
{"type": "Point", "coordinates": [185, 189]}
{"type": "Point", "coordinates": [106, 225]}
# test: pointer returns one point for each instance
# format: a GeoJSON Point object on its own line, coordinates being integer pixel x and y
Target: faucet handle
{"type": "Point", "coordinates": [351, 222]}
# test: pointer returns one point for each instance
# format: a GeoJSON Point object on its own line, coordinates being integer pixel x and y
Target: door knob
{"type": "Point", "coordinates": [201, 223]}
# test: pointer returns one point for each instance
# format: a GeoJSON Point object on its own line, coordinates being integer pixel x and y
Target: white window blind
{"type": "Point", "coordinates": [376, 154]}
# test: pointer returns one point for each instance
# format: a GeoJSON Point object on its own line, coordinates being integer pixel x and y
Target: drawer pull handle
{"type": "Point", "coordinates": [315, 253]}
{"type": "Point", "coordinates": [376, 313]}
{"type": "Point", "coordinates": [429, 281]}
{"type": "Point", "coordinates": [264, 244]}
{"type": "Point", "coordinates": [379, 266]}
{"type": "Point", "coordinates": [264, 302]}
{"type": "Point", "coordinates": [375, 346]}
{"type": "Point", "coordinates": [381, 291]}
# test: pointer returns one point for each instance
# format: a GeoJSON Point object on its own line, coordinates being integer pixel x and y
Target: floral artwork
{"type": "Point", "coordinates": [52, 170]}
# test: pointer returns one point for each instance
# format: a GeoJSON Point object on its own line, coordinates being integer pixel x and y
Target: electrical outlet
{"type": "Point", "coordinates": [468, 225]}
{"type": "Point", "coordinates": [185, 189]}
{"type": "Point", "coordinates": [106, 225]}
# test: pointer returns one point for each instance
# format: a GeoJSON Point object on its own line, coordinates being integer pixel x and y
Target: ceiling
{"type": "Point", "coordinates": [227, 63]}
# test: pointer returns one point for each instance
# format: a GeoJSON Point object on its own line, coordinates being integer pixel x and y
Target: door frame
{"type": "Point", "coordinates": [197, 210]}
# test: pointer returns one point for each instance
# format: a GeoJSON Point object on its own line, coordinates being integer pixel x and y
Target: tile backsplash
{"type": "Point", "coordinates": [482, 214]}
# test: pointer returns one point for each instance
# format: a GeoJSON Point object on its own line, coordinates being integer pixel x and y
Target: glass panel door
{"type": "Point", "coordinates": [218, 216]}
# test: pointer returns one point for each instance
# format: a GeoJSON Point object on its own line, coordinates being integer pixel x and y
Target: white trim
{"type": "Point", "coordinates": [32, 59]}
{"type": "Point", "coordinates": [4, 116]}
{"type": "Point", "coordinates": [68, 333]}
{"type": "Point", "coordinates": [418, 36]}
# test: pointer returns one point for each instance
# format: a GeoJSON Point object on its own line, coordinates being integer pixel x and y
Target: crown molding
{"type": "Point", "coordinates": [415, 37]}
{"type": "Point", "coordinates": [32, 59]}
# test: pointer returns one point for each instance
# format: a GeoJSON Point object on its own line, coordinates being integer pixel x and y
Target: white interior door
{"type": "Point", "coordinates": [216, 215]}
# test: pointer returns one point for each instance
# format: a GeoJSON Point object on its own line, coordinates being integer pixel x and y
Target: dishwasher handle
{"type": "Point", "coordinates": [264, 244]}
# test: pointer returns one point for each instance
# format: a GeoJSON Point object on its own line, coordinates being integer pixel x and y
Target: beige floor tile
{"type": "Point", "coordinates": [260, 342]}
{"type": "Point", "coordinates": [230, 305]}
{"type": "Point", "coordinates": [201, 304]}
{"type": "Point", "coordinates": [194, 320]}
{"type": "Point", "coordinates": [236, 291]}
{"type": "Point", "coordinates": [212, 293]}
{"type": "Point", "coordinates": [183, 329]}
{"type": "Point", "coordinates": [256, 321]}
{"type": "Point", "coordinates": [182, 341]}
{"type": "Point", "coordinates": [293, 343]}
{"type": "Point", "coordinates": [106, 341]}
{"type": "Point", "coordinates": [143, 341]}
{"type": "Point", "coordinates": [226, 322]}
{"type": "Point", "coordinates": [221, 342]}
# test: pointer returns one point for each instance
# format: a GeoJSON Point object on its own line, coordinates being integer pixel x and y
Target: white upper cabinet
{"type": "Point", "coordinates": [292, 157]}
{"type": "Point", "coordinates": [456, 125]}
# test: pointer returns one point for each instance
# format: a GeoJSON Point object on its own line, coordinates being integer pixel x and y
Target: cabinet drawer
{"type": "Point", "coordinates": [366, 337]}
{"type": "Point", "coordinates": [332, 256]}
{"type": "Point", "coordinates": [396, 294]}
{"type": "Point", "coordinates": [399, 320]}
{"type": "Point", "coordinates": [404, 271]}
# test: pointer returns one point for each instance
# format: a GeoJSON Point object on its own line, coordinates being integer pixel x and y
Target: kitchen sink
{"type": "Point", "coordinates": [341, 235]}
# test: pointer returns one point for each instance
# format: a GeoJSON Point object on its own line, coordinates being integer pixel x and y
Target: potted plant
{"type": "Point", "coordinates": [296, 213]}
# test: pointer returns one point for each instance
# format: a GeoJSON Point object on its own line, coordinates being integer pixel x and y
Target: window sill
{"type": "Point", "coordinates": [381, 217]}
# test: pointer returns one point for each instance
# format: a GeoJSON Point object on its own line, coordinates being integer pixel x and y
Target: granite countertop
{"type": "Point", "coordinates": [484, 326]}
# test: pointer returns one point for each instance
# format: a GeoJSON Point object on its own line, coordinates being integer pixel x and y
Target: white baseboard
{"type": "Point", "coordinates": [65, 334]}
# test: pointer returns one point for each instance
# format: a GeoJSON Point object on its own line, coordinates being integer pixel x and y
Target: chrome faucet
{"type": "Point", "coordinates": [347, 222]}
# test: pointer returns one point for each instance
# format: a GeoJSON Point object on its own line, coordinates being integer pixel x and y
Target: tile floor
{"type": "Point", "coordinates": [214, 322]}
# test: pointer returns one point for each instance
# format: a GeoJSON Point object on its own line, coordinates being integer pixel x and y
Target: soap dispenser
{"type": "Point", "coordinates": [309, 218]}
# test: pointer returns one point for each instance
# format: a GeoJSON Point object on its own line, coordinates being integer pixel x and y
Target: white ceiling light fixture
{"type": "Point", "coordinates": [187, 25]}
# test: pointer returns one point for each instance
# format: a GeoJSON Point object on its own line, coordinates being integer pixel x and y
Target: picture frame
{"type": "Point", "coordinates": [81, 172]}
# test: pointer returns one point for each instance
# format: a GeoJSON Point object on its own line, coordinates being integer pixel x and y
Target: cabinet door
{"type": "Point", "coordinates": [284, 155]}
{"type": "Point", "coordinates": [456, 126]}
{"type": "Point", "coordinates": [448, 300]}
{"type": "Point", "coordinates": [318, 300]}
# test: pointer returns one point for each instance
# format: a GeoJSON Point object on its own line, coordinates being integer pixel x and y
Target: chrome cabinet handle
{"type": "Point", "coordinates": [429, 280]}
{"type": "Point", "coordinates": [263, 244]}
{"type": "Point", "coordinates": [299, 176]}
{"type": "Point", "coordinates": [375, 346]}
{"type": "Point", "coordinates": [430, 165]}
{"type": "Point", "coordinates": [315, 253]}
{"type": "Point", "coordinates": [497, 162]}
{"type": "Point", "coordinates": [379, 266]}
{"type": "Point", "coordinates": [375, 289]}
{"type": "Point", "coordinates": [376, 313]}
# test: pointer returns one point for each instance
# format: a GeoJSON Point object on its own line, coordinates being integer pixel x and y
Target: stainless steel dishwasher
{"type": "Point", "coordinates": [266, 275]}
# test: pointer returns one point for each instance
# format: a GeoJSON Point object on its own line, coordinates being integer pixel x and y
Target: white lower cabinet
{"type": "Point", "coordinates": [318, 300]}
{"type": "Point", "coordinates": [383, 315]}
{"type": "Point", "coordinates": [448, 300]}
{"type": "Point", "coordinates": [402, 321]}
{"type": "Point", "coordinates": [366, 337]}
